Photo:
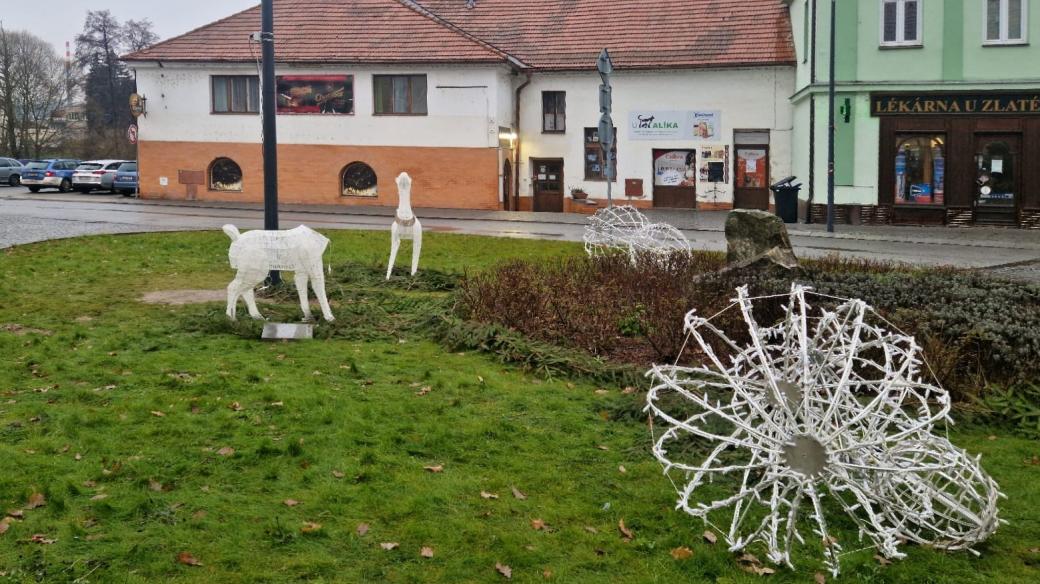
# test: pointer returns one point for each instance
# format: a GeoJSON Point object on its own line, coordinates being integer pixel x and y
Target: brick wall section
{"type": "Point", "coordinates": [461, 178]}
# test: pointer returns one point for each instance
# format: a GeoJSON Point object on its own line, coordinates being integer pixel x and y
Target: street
{"type": "Point", "coordinates": [27, 217]}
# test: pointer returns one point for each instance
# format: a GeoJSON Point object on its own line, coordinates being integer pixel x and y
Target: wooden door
{"type": "Point", "coordinates": [507, 188]}
{"type": "Point", "coordinates": [999, 178]}
{"type": "Point", "coordinates": [675, 179]}
{"type": "Point", "coordinates": [547, 178]}
{"type": "Point", "coordinates": [751, 179]}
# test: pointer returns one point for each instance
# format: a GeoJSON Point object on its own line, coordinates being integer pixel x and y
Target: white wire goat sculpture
{"type": "Point", "coordinates": [406, 225]}
{"type": "Point", "coordinates": [627, 230]}
{"type": "Point", "coordinates": [255, 253]}
{"type": "Point", "coordinates": [822, 404]}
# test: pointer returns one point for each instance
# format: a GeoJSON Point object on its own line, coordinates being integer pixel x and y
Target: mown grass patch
{"type": "Point", "coordinates": [344, 426]}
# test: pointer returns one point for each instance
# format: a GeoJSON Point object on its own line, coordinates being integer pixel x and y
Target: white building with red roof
{"type": "Point", "coordinates": [487, 104]}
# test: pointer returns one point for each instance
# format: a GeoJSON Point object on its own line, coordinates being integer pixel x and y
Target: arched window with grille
{"type": "Point", "coordinates": [358, 180]}
{"type": "Point", "coordinates": [225, 175]}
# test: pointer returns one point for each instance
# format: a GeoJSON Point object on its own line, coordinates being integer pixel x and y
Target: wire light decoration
{"type": "Point", "coordinates": [627, 230]}
{"type": "Point", "coordinates": [827, 411]}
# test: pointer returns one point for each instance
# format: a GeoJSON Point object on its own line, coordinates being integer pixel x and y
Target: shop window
{"type": "Point", "coordinates": [1006, 21]}
{"type": "Point", "coordinates": [235, 94]}
{"type": "Point", "coordinates": [225, 175]}
{"type": "Point", "coordinates": [920, 169]}
{"type": "Point", "coordinates": [554, 112]}
{"type": "Point", "coordinates": [400, 94]}
{"type": "Point", "coordinates": [359, 180]}
{"type": "Point", "coordinates": [595, 163]}
{"type": "Point", "coordinates": [315, 94]}
{"type": "Point", "coordinates": [900, 23]}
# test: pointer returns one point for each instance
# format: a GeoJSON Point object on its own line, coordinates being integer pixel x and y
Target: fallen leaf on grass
{"type": "Point", "coordinates": [751, 564]}
{"type": "Point", "coordinates": [99, 497]}
{"type": "Point", "coordinates": [603, 447]}
{"type": "Point", "coordinates": [682, 553]}
{"type": "Point", "coordinates": [155, 486]}
{"type": "Point", "coordinates": [235, 406]}
{"type": "Point", "coordinates": [882, 560]}
{"type": "Point", "coordinates": [434, 469]}
{"type": "Point", "coordinates": [424, 391]}
{"type": "Point", "coordinates": [362, 529]}
{"type": "Point", "coordinates": [226, 451]}
{"type": "Point", "coordinates": [537, 524]}
{"type": "Point", "coordinates": [710, 537]}
{"type": "Point", "coordinates": [36, 500]}
{"type": "Point", "coordinates": [602, 392]}
{"type": "Point", "coordinates": [198, 514]}
{"type": "Point", "coordinates": [547, 573]}
{"type": "Point", "coordinates": [338, 474]}
{"type": "Point", "coordinates": [16, 514]}
{"type": "Point", "coordinates": [187, 559]}
{"type": "Point", "coordinates": [591, 529]}
{"type": "Point", "coordinates": [158, 414]}
{"type": "Point", "coordinates": [487, 495]}
{"type": "Point", "coordinates": [819, 578]}
{"type": "Point", "coordinates": [390, 545]}
{"type": "Point", "coordinates": [5, 524]}
{"type": "Point", "coordinates": [310, 527]}
{"type": "Point", "coordinates": [518, 494]}
{"type": "Point", "coordinates": [628, 390]}
{"type": "Point", "coordinates": [41, 539]}
{"type": "Point", "coordinates": [290, 502]}
{"type": "Point", "coordinates": [504, 570]}
{"type": "Point", "coordinates": [626, 532]}
{"type": "Point", "coordinates": [622, 469]}
{"type": "Point", "coordinates": [426, 552]}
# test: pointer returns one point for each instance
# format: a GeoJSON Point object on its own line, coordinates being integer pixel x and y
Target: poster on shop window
{"type": "Point", "coordinates": [675, 168]}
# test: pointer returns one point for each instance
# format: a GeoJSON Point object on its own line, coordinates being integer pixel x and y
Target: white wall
{"type": "Point", "coordinates": [463, 103]}
{"type": "Point", "coordinates": [748, 99]}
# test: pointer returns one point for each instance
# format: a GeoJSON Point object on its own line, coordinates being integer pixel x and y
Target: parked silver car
{"type": "Point", "coordinates": [10, 172]}
{"type": "Point", "coordinates": [94, 175]}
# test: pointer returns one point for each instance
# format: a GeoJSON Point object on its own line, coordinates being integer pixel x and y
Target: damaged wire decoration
{"type": "Point", "coordinates": [627, 230]}
{"type": "Point", "coordinates": [826, 412]}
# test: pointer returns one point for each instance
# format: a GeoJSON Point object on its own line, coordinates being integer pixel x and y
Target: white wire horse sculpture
{"type": "Point", "coordinates": [406, 225]}
{"type": "Point", "coordinates": [255, 253]}
{"type": "Point", "coordinates": [627, 230]}
{"type": "Point", "coordinates": [823, 404]}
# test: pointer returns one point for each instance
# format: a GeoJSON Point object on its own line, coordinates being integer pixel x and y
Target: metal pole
{"type": "Point", "coordinates": [267, 101]}
{"type": "Point", "coordinates": [830, 127]}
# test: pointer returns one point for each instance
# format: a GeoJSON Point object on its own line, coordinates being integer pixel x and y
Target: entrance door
{"type": "Point", "coordinates": [751, 188]}
{"type": "Point", "coordinates": [507, 182]}
{"type": "Point", "coordinates": [675, 178]}
{"type": "Point", "coordinates": [548, 184]}
{"type": "Point", "coordinates": [998, 178]}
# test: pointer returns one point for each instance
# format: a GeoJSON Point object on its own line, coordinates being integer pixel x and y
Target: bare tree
{"type": "Point", "coordinates": [138, 34]}
{"type": "Point", "coordinates": [40, 91]}
{"type": "Point", "coordinates": [8, 126]}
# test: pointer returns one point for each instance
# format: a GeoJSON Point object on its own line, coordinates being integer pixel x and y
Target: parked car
{"type": "Point", "coordinates": [55, 173]}
{"type": "Point", "coordinates": [94, 175]}
{"type": "Point", "coordinates": [10, 172]}
{"type": "Point", "coordinates": [126, 179]}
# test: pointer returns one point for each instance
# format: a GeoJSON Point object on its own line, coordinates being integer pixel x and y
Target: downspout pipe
{"type": "Point", "coordinates": [515, 206]}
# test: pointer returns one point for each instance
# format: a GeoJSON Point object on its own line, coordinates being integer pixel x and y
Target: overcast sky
{"type": "Point", "coordinates": [57, 21]}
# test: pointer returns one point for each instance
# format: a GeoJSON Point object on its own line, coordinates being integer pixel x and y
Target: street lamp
{"type": "Point", "coordinates": [830, 128]}
{"type": "Point", "coordinates": [270, 133]}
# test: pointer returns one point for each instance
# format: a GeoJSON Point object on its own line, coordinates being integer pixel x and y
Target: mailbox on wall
{"type": "Point", "coordinates": [633, 187]}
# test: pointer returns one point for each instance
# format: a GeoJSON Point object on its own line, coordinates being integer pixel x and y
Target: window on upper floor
{"type": "Point", "coordinates": [403, 95]}
{"type": "Point", "coordinates": [901, 23]}
{"type": "Point", "coordinates": [236, 94]}
{"type": "Point", "coordinates": [554, 112]}
{"type": "Point", "coordinates": [1006, 21]}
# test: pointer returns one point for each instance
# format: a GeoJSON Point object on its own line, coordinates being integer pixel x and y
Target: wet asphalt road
{"type": "Point", "coordinates": [27, 218]}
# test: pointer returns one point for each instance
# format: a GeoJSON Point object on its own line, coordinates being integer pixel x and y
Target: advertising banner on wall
{"type": "Point", "coordinates": [674, 125]}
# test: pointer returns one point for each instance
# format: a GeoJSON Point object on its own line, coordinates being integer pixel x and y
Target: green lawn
{"type": "Point", "coordinates": [123, 416]}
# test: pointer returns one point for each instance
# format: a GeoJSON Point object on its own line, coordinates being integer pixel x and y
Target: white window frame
{"type": "Point", "coordinates": [1004, 32]}
{"type": "Point", "coordinates": [901, 25]}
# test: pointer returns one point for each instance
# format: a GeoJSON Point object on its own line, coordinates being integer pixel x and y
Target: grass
{"type": "Point", "coordinates": [337, 425]}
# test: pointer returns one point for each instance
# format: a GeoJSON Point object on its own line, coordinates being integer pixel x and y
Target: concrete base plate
{"type": "Point", "coordinates": [274, 331]}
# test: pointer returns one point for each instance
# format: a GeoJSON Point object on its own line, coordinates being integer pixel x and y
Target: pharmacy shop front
{"type": "Point", "coordinates": [969, 158]}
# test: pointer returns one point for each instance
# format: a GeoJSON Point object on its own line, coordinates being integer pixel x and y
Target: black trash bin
{"type": "Point", "coordinates": [785, 193]}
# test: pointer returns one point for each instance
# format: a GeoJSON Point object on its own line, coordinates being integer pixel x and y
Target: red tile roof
{"type": "Point", "coordinates": [541, 34]}
{"type": "Point", "coordinates": [569, 34]}
{"type": "Point", "coordinates": [329, 31]}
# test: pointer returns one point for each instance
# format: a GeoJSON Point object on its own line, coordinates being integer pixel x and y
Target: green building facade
{"type": "Point", "coordinates": [937, 111]}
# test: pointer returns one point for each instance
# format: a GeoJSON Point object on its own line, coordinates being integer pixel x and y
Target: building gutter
{"type": "Point", "coordinates": [515, 206]}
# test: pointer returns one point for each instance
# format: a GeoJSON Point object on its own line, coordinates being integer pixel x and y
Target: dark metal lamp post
{"type": "Point", "coordinates": [270, 131]}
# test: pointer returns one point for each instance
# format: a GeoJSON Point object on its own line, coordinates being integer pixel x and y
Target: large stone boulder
{"type": "Point", "coordinates": [757, 236]}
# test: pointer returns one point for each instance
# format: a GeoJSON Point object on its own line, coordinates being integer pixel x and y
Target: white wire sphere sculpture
{"type": "Point", "coordinates": [824, 404]}
{"type": "Point", "coordinates": [625, 229]}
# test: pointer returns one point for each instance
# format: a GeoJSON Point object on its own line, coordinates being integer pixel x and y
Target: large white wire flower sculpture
{"type": "Point", "coordinates": [625, 229]}
{"type": "Point", "coordinates": [826, 413]}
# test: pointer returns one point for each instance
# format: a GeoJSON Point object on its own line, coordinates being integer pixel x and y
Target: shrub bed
{"type": "Point", "coordinates": [975, 330]}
